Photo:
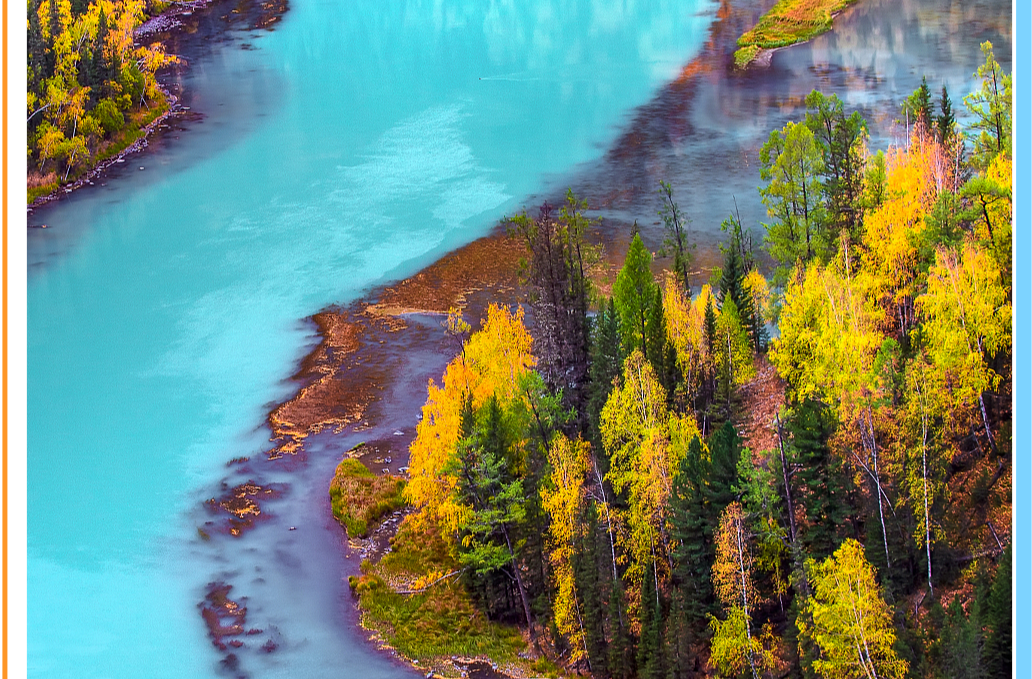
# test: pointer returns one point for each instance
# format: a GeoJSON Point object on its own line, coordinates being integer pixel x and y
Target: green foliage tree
{"type": "Point", "coordinates": [992, 107]}
{"type": "Point", "coordinates": [917, 108]}
{"type": "Point", "coordinates": [792, 164]}
{"type": "Point", "coordinates": [842, 142]}
{"type": "Point", "coordinates": [485, 466]}
{"type": "Point", "coordinates": [946, 122]}
{"type": "Point", "coordinates": [818, 480]}
{"type": "Point", "coordinates": [634, 294]}
{"type": "Point", "coordinates": [733, 353]}
{"type": "Point", "coordinates": [996, 654]}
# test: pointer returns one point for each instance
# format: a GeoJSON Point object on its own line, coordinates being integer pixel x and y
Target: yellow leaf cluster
{"type": "Point", "coordinates": [849, 620]}
{"type": "Point", "coordinates": [831, 329]}
{"type": "Point", "coordinates": [645, 444]}
{"type": "Point", "coordinates": [492, 362]}
{"type": "Point", "coordinates": [967, 316]}
{"type": "Point", "coordinates": [686, 329]}
{"type": "Point", "coordinates": [563, 501]}
{"type": "Point", "coordinates": [914, 178]}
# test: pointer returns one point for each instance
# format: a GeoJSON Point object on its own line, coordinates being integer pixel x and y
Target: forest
{"type": "Point", "coordinates": [91, 88]}
{"type": "Point", "coordinates": [583, 481]}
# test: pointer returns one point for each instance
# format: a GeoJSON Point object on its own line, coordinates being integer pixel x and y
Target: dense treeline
{"type": "Point", "coordinates": [90, 87]}
{"type": "Point", "coordinates": [595, 490]}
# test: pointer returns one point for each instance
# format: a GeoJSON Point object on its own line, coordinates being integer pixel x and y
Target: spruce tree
{"type": "Point", "coordinates": [961, 642]}
{"type": "Point", "coordinates": [817, 478]}
{"type": "Point", "coordinates": [692, 550]}
{"type": "Point", "coordinates": [945, 121]}
{"type": "Point", "coordinates": [621, 656]}
{"type": "Point", "coordinates": [996, 654]}
{"type": "Point", "coordinates": [721, 489]}
{"type": "Point", "coordinates": [650, 644]}
{"type": "Point", "coordinates": [918, 106]}
{"type": "Point", "coordinates": [590, 562]}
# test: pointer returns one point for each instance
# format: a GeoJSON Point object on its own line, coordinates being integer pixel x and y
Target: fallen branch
{"type": "Point", "coordinates": [423, 589]}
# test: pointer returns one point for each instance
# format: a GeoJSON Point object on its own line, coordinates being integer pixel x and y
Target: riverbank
{"type": "Point", "coordinates": [178, 18]}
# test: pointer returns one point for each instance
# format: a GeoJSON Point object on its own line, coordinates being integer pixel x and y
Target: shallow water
{"type": "Point", "coordinates": [352, 145]}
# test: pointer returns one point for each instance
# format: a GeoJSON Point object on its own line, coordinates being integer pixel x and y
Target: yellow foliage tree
{"type": "Point", "coordinates": [492, 362]}
{"type": "Point", "coordinates": [848, 619]}
{"type": "Point", "coordinates": [564, 502]}
{"type": "Point", "coordinates": [966, 320]}
{"type": "Point", "coordinates": [734, 646]}
{"type": "Point", "coordinates": [686, 331]}
{"type": "Point", "coordinates": [645, 444]}
{"type": "Point", "coordinates": [893, 232]}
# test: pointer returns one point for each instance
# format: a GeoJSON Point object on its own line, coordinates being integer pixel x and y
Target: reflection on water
{"type": "Point", "coordinates": [703, 132]}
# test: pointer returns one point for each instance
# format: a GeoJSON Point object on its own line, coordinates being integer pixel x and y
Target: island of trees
{"type": "Point", "coordinates": [582, 497]}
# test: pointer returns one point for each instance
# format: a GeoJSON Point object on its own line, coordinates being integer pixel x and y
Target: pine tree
{"type": "Point", "coordinates": [650, 642]}
{"type": "Point", "coordinates": [961, 642]}
{"type": "Point", "coordinates": [721, 489]}
{"type": "Point", "coordinates": [559, 287]}
{"type": "Point", "coordinates": [591, 562]}
{"type": "Point", "coordinates": [691, 531]}
{"type": "Point", "coordinates": [818, 482]}
{"type": "Point", "coordinates": [918, 107]}
{"type": "Point", "coordinates": [945, 122]}
{"type": "Point", "coordinates": [621, 655]}
{"type": "Point", "coordinates": [605, 361]}
{"type": "Point", "coordinates": [996, 654]}
{"type": "Point", "coordinates": [841, 139]}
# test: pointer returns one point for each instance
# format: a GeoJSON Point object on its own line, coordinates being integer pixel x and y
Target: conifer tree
{"type": "Point", "coordinates": [996, 654]}
{"type": "Point", "coordinates": [946, 122]}
{"type": "Point", "coordinates": [992, 107]}
{"type": "Point", "coordinates": [691, 533]}
{"type": "Point", "coordinates": [818, 479]}
{"type": "Point", "coordinates": [650, 641]}
{"type": "Point", "coordinates": [918, 107]}
{"type": "Point", "coordinates": [842, 140]}
{"type": "Point", "coordinates": [591, 563]}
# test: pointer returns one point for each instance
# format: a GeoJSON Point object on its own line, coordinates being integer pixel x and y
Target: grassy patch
{"type": "Point", "coordinates": [437, 622]}
{"type": "Point", "coordinates": [360, 498]}
{"type": "Point", "coordinates": [787, 23]}
{"type": "Point", "coordinates": [745, 55]}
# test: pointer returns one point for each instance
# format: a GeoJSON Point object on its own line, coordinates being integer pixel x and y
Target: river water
{"type": "Point", "coordinates": [352, 145]}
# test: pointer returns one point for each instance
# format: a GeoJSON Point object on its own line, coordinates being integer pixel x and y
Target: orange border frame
{"type": "Point", "coordinates": [3, 36]}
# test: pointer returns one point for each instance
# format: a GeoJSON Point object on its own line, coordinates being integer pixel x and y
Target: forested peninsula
{"type": "Point", "coordinates": [797, 466]}
{"type": "Point", "coordinates": [91, 87]}
{"type": "Point", "coordinates": [94, 94]}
